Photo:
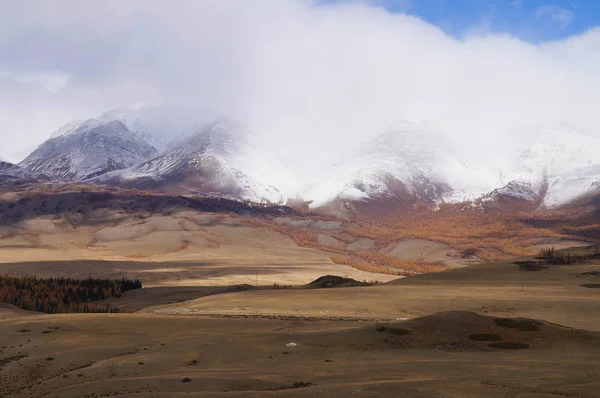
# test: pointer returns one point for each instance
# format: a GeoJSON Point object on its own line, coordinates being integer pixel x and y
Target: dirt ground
{"type": "Point", "coordinates": [414, 249]}
{"type": "Point", "coordinates": [175, 356]}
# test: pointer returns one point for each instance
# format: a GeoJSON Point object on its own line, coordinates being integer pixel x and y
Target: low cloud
{"type": "Point", "coordinates": [314, 80]}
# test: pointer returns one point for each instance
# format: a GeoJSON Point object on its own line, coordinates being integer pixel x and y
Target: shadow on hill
{"type": "Point", "coordinates": [469, 331]}
{"type": "Point", "coordinates": [150, 273]}
{"type": "Point", "coordinates": [135, 300]}
{"type": "Point", "coordinates": [85, 202]}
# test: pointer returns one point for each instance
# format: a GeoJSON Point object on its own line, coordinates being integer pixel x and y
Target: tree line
{"type": "Point", "coordinates": [62, 295]}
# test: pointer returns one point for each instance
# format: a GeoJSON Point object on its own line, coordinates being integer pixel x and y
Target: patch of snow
{"type": "Point", "coordinates": [564, 159]}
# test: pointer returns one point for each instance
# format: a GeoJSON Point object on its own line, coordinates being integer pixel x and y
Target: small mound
{"type": "Point", "coordinates": [505, 345]}
{"type": "Point", "coordinates": [329, 281]}
{"type": "Point", "coordinates": [241, 288]}
{"type": "Point", "coordinates": [462, 331]}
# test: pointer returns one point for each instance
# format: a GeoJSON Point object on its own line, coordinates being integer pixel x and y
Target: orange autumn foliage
{"type": "Point", "coordinates": [467, 229]}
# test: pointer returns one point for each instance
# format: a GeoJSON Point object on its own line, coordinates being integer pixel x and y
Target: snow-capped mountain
{"type": "Point", "coordinates": [413, 162]}
{"type": "Point", "coordinates": [221, 158]}
{"type": "Point", "coordinates": [406, 163]}
{"type": "Point", "coordinates": [67, 129]}
{"type": "Point", "coordinates": [556, 167]}
{"type": "Point", "coordinates": [158, 125]}
{"type": "Point", "coordinates": [89, 149]}
{"type": "Point", "coordinates": [11, 173]}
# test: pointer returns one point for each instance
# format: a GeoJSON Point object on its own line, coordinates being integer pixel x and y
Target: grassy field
{"type": "Point", "coordinates": [459, 339]}
{"type": "Point", "coordinates": [153, 355]}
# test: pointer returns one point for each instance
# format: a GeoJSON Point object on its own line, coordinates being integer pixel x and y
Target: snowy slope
{"type": "Point", "coordinates": [67, 129]}
{"type": "Point", "coordinates": [565, 188]}
{"type": "Point", "coordinates": [405, 161]}
{"type": "Point", "coordinates": [557, 166]}
{"type": "Point", "coordinates": [87, 150]}
{"type": "Point", "coordinates": [158, 124]}
{"type": "Point", "coordinates": [221, 158]}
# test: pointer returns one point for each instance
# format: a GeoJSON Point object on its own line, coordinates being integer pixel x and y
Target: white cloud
{"type": "Point", "coordinates": [315, 81]}
{"type": "Point", "coordinates": [50, 81]}
{"type": "Point", "coordinates": [556, 14]}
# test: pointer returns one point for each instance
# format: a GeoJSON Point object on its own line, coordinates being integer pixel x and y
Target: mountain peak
{"type": "Point", "coordinates": [224, 125]}
{"type": "Point", "coordinates": [89, 149]}
{"type": "Point", "coordinates": [158, 125]}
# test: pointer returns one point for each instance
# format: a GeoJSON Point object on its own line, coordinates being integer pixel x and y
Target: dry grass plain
{"type": "Point", "coordinates": [348, 340]}
{"type": "Point", "coordinates": [151, 356]}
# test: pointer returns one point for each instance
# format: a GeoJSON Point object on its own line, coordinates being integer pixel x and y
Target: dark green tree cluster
{"type": "Point", "coordinates": [552, 256]}
{"type": "Point", "coordinates": [62, 295]}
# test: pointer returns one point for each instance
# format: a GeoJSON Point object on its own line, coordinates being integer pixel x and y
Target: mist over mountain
{"type": "Point", "coordinates": [403, 164]}
{"type": "Point", "coordinates": [319, 85]}
{"type": "Point", "coordinates": [315, 80]}
{"type": "Point", "coordinates": [158, 125]}
{"type": "Point", "coordinates": [218, 159]}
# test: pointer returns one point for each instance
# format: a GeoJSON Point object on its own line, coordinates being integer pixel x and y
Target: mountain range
{"type": "Point", "coordinates": [12, 174]}
{"type": "Point", "coordinates": [178, 151]}
{"type": "Point", "coordinates": [217, 159]}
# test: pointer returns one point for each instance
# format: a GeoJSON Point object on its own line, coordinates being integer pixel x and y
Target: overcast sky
{"type": "Point", "coordinates": [320, 75]}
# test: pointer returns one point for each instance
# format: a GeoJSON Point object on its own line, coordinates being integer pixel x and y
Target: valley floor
{"type": "Point", "coordinates": [456, 342]}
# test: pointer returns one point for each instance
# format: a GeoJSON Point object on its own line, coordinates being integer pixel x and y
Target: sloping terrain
{"type": "Point", "coordinates": [63, 222]}
{"type": "Point", "coordinates": [10, 311]}
{"type": "Point", "coordinates": [161, 240]}
{"type": "Point", "coordinates": [12, 174]}
{"type": "Point", "coordinates": [218, 159]}
{"type": "Point", "coordinates": [84, 151]}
